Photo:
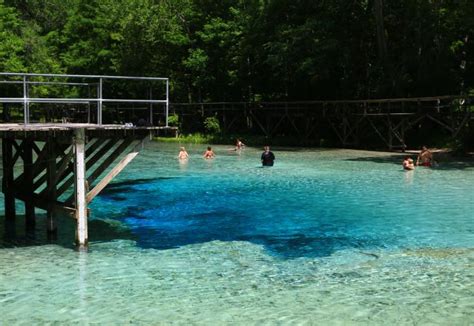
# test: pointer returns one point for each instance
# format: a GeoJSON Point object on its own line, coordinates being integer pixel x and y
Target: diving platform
{"type": "Point", "coordinates": [60, 167]}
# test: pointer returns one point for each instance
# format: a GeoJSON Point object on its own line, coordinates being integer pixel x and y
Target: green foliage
{"type": "Point", "coordinates": [11, 43]}
{"type": "Point", "coordinates": [212, 125]}
{"type": "Point", "coordinates": [173, 120]}
{"type": "Point", "coordinates": [196, 138]}
{"type": "Point", "coordinates": [234, 50]}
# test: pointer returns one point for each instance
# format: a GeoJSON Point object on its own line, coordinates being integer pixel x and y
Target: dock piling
{"type": "Point", "coordinates": [80, 187]}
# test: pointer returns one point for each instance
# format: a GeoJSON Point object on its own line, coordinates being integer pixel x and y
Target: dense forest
{"type": "Point", "coordinates": [250, 50]}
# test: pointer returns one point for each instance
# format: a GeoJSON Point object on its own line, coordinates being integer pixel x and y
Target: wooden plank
{"type": "Point", "coordinates": [379, 133]}
{"type": "Point", "coordinates": [258, 123]}
{"type": "Point", "coordinates": [8, 179]}
{"type": "Point", "coordinates": [109, 160]}
{"type": "Point", "coordinates": [61, 166]}
{"type": "Point", "coordinates": [109, 177]}
{"type": "Point", "coordinates": [441, 123]}
{"type": "Point", "coordinates": [44, 204]}
{"type": "Point", "coordinates": [100, 153]}
{"type": "Point", "coordinates": [50, 190]}
{"type": "Point", "coordinates": [28, 182]}
{"type": "Point", "coordinates": [64, 163]}
{"type": "Point", "coordinates": [64, 168]}
{"type": "Point", "coordinates": [80, 187]}
{"type": "Point", "coordinates": [105, 164]}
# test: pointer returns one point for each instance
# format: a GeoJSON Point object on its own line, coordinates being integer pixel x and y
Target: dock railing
{"type": "Point", "coordinates": [94, 82]}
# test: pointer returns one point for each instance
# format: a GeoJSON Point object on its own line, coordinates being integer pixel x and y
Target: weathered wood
{"type": "Point", "coordinates": [109, 160]}
{"type": "Point", "coordinates": [97, 156]}
{"type": "Point", "coordinates": [112, 174]}
{"type": "Point", "coordinates": [441, 123]}
{"type": "Point", "coordinates": [44, 204]}
{"type": "Point", "coordinates": [51, 185]}
{"type": "Point", "coordinates": [27, 148]}
{"type": "Point", "coordinates": [8, 178]}
{"type": "Point", "coordinates": [63, 164]}
{"type": "Point", "coordinates": [80, 187]}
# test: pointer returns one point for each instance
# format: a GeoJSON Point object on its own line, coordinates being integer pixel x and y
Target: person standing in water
{"type": "Point", "coordinates": [267, 157]}
{"type": "Point", "coordinates": [209, 153]}
{"type": "Point", "coordinates": [408, 163]}
{"type": "Point", "coordinates": [425, 158]}
{"type": "Point", "coordinates": [183, 155]}
{"type": "Point", "coordinates": [239, 144]}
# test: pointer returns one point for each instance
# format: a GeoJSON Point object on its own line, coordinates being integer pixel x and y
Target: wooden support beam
{"type": "Point", "coordinates": [28, 182]}
{"type": "Point", "coordinates": [441, 123]}
{"type": "Point", "coordinates": [18, 151]}
{"type": "Point", "coordinates": [109, 160]}
{"type": "Point", "coordinates": [336, 131]}
{"type": "Point", "coordinates": [50, 190]}
{"type": "Point", "coordinates": [44, 204]}
{"type": "Point", "coordinates": [65, 168]}
{"type": "Point", "coordinates": [97, 156]}
{"type": "Point", "coordinates": [254, 117]}
{"type": "Point", "coordinates": [389, 133]}
{"type": "Point", "coordinates": [80, 187]}
{"type": "Point", "coordinates": [64, 163]}
{"type": "Point", "coordinates": [467, 116]}
{"type": "Point", "coordinates": [292, 122]}
{"type": "Point", "coordinates": [61, 166]}
{"type": "Point", "coordinates": [378, 132]}
{"type": "Point", "coordinates": [112, 174]}
{"type": "Point", "coordinates": [8, 178]}
{"type": "Point", "coordinates": [275, 127]}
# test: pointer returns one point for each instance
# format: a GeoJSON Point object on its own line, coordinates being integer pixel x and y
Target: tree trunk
{"type": "Point", "coordinates": [381, 38]}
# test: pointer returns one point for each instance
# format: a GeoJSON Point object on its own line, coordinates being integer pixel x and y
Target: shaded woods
{"type": "Point", "coordinates": [252, 50]}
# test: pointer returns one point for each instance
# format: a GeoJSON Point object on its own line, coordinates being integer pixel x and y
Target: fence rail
{"type": "Point", "coordinates": [96, 81]}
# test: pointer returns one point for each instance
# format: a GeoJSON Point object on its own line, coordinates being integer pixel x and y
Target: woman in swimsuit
{"type": "Point", "coordinates": [209, 153]}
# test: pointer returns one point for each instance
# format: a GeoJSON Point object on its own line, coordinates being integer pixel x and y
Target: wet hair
{"type": "Point", "coordinates": [209, 148]}
{"type": "Point", "coordinates": [407, 157]}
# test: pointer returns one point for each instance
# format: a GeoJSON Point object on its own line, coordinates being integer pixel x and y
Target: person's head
{"type": "Point", "coordinates": [266, 148]}
{"type": "Point", "coordinates": [407, 158]}
{"type": "Point", "coordinates": [182, 149]}
{"type": "Point", "coordinates": [209, 148]}
{"type": "Point", "coordinates": [424, 148]}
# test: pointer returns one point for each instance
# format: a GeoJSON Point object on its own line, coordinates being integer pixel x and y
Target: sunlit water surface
{"type": "Point", "coordinates": [324, 237]}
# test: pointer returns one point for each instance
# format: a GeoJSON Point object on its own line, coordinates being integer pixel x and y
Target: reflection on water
{"type": "Point", "coordinates": [341, 237]}
{"type": "Point", "coordinates": [409, 175]}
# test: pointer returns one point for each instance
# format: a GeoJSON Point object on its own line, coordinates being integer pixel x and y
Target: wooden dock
{"type": "Point", "coordinates": [387, 120]}
{"type": "Point", "coordinates": [62, 166]}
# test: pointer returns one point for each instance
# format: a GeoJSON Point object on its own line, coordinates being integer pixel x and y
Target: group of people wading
{"type": "Point", "coordinates": [267, 158]}
{"type": "Point", "coordinates": [425, 158]}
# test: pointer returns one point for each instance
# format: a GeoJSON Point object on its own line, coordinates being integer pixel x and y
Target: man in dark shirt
{"type": "Point", "coordinates": [267, 157]}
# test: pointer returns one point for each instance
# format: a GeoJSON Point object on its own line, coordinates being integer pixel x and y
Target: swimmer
{"type": "Point", "coordinates": [267, 157]}
{"type": "Point", "coordinates": [183, 155]}
{"type": "Point", "coordinates": [425, 158]}
{"type": "Point", "coordinates": [408, 163]}
{"type": "Point", "coordinates": [239, 144]}
{"type": "Point", "coordinates": [209, 153]}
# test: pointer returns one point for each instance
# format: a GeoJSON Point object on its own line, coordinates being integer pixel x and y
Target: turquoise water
{"type": "Point", "coordinates": [324, 237]}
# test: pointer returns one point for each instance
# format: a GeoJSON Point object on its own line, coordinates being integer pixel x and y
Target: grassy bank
{"type": "Point", "coordinates": [250, 140]}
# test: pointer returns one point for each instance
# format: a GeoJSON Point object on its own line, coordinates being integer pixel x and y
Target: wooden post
{"type": "Point", "coordinates": [8, 178]}
{"type": "Point", "coordinates": [28, 185]}
{"type": "Point", "coordinates": [80, 187]}
{"type": "Point", "coordinates": [51, 186]}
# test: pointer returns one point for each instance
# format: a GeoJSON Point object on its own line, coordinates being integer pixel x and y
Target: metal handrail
{"type": "Point", "coordinates": [82, 76]}
{"type": "Point", "coordinates": [26, 100]}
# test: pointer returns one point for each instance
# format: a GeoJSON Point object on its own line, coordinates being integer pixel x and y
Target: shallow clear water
{"type": "Point", "coordinates": [323, 237]}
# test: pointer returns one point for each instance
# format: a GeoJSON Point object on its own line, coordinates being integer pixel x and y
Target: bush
{"type": "Point", "coordinates": [173, 120]}
{"type": "Point", "coordinates": [212, 125]}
